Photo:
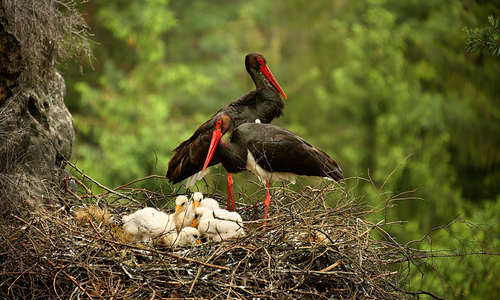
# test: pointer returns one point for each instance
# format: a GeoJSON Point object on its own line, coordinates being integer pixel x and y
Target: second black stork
{"type": "Point", "coordinates": [263, 104]}
{"type": "Point", "coordinates": [269, 152]}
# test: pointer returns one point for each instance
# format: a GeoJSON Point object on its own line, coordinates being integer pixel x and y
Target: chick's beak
{"type": "Point", "coordinates": [178, 209]}
{"type": "Point", "coordinates": [194, 223]}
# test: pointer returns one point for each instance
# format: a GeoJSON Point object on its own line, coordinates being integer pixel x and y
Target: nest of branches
{"type": "Point", "coordinates": [316, 244]}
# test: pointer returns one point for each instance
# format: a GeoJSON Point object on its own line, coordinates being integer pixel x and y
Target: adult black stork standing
{"type": "Point", "coordinates": [263, 104]}
{"type": "Point", "coordinates": [268, 151]}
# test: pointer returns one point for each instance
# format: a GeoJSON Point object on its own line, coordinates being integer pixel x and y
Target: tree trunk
{"type": "Point", "coordinates": [36, 132]}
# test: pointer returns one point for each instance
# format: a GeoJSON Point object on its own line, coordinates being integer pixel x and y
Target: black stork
{"type": "Point", "coordinates": [262, 104]}
{"type": "Point", "coordinates": [268, 151]}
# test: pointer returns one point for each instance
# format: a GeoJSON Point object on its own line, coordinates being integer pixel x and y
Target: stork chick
{"type": "Point", "coordinates": [209, 203]}
{"type": "Point", "coordinates": [188, 236]}
{"type": "Point", "coordinates": [184, 212]}
{"type": "Point", "coordinates": [197, 196]}
{"type": "Point", "coordinates": [212, 208]}
{"type": "Point", "coordinates": [221, 225]}
{"type": "Point", "coordinates": [148, 223]}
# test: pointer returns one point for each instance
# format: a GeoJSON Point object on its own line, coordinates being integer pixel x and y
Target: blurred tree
{"type": "Point", "coordinates": [469, 107]}
{"type": "Point", "coordinates": [124, 110]}
{"type": "Point", "coordinates": [369, 110]}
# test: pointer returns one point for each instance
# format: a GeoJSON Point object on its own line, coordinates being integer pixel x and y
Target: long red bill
{"type": "Point", "coordinates": [216, 135]}
{"type": "Point", "coordinates": [265, 70]}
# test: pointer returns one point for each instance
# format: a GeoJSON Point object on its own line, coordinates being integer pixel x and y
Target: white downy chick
{"type": "Point", "coordinates": [184, 213]}
{"type": "Point", "coordinates": [188, 236]}
{"type": "Point", "coordinates": [198, 213]}
{"type": "Point", "coordinates": [209, 203]}
{"type": "Point", "coordinates": [206, 207]}
{"type": "Point", "coordinates": [221, 225]}
{"type": "Point", "coordinates": [197, 196]}
{"type": "Point", "coordinates": [233, 216]}
{"type": "Point", "coordinates": [147, 223]}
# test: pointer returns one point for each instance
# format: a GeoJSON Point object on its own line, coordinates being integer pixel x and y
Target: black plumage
{"type": "Point", "coordinates": [263, 103]}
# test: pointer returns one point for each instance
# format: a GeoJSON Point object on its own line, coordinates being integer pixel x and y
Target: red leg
{"type": "Point", "coordinates": [268, 200]}
{"type": "Point", "coordinates": [230, 195]}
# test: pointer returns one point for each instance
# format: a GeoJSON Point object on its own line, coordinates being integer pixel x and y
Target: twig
{"type": "Point", "coordinates": [71, 278]}
{"type": "Point", "coordinates": [201, 267]}
{"type": "Point", "coordinates": [137, 180]}
{"type": "Point", "coordinates": [99, 234]}
{"type": "Point", "coordinates": [100, 185]}
{"type": "Point", "coordinates": [422, 292]}
{"type": "Point", "coordinates": [331, 266]}
{"type": "Point", "coordinates": [196, 261]}
{"type": "Point", "coordinates": [387, 179]}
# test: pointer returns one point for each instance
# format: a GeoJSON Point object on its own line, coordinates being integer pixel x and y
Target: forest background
{"type": "Point", "coordinates": [370, 82]}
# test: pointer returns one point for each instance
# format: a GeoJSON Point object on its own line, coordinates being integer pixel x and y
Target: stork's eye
{"type": "Point", "coordinates": [195, 236]}
{"type": "Point", "coordinates": [260, 60]}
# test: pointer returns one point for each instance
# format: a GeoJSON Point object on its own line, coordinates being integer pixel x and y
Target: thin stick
{"type": "Point", "coordinates": [201, 267]}
{"type": "Point", "coordinates": [71, 278]}
{"type": "Point", "coordinates": [331, 266]}
{"type": "Point", "coordinates": [137, 180]}
{"type": "Point", "coordinates": [100, 185]}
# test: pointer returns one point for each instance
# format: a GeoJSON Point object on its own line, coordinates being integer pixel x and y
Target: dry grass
{"type": "Point", "coordinates": [48, 32]}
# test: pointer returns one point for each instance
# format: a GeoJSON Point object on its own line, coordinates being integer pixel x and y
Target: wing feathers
{"type": "Point", "coordinates": [278, 150]}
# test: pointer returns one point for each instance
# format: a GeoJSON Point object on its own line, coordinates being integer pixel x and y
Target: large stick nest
{"type": "Point", "coordinates": [317, 243]}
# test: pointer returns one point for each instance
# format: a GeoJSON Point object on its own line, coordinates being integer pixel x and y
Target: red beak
{"type": "Point", "coordinates": [216, 135]}
{"type": "Point", "coordinates": [265, 70]}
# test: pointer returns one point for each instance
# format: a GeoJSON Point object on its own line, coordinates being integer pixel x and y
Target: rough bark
{"type": "Point", "coordinates": [36, 132]}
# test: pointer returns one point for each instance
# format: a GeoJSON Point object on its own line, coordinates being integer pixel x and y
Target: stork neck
{"type": "Point", "coordinates": [232, 151]}
{"type": "Point", "coordinates": [263, 85]}
{"type": "Point", "coordinates": [225, 140]}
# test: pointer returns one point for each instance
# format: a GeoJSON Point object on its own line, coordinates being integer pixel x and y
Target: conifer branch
{"type": "Point", "coordinates": [485, 39]}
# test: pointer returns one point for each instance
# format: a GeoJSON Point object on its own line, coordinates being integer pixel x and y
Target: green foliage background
{"type": "Point", "coordinates": [370, 82]}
